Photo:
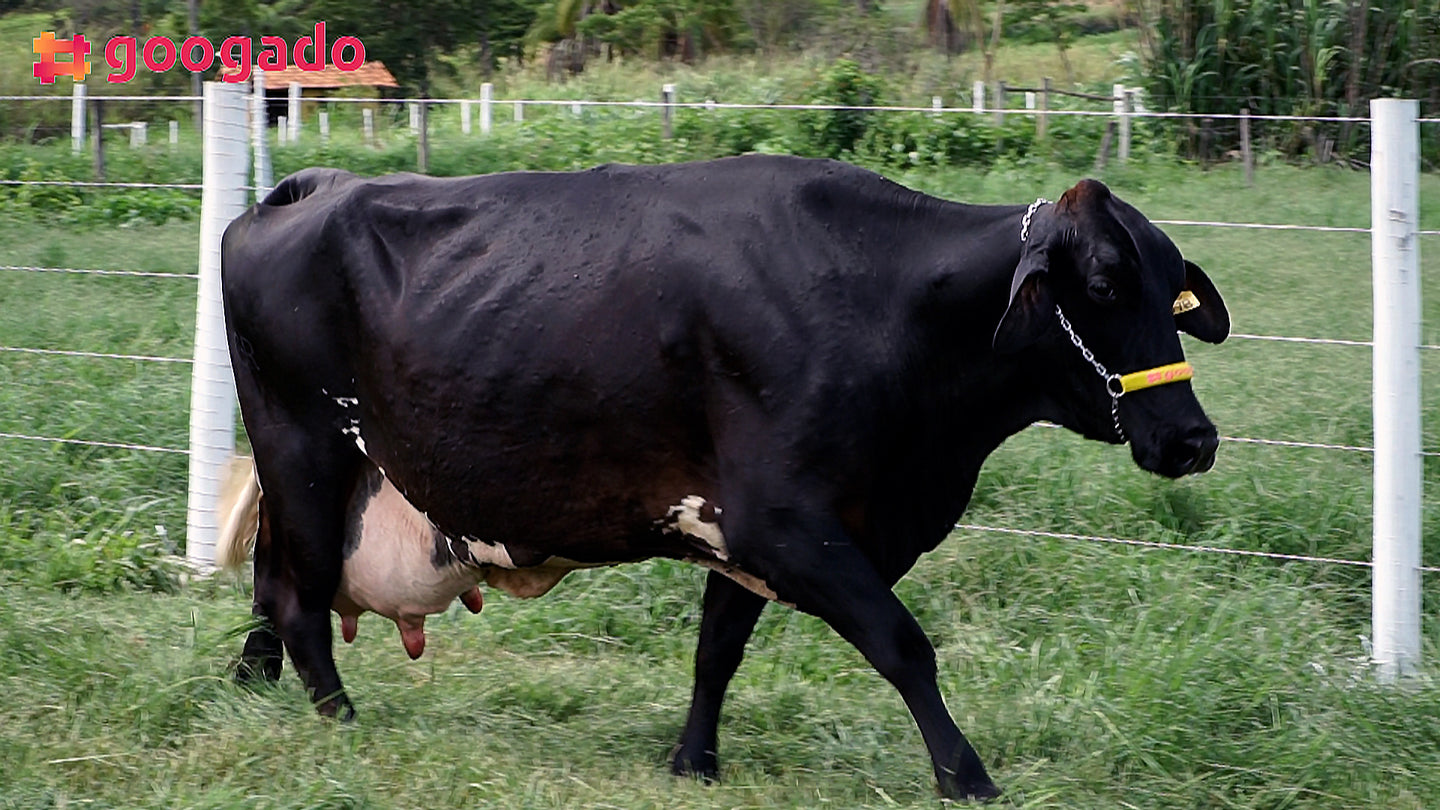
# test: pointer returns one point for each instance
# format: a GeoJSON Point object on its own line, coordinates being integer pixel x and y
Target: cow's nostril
{"type": "Point", "coordinates": [1196, 453]}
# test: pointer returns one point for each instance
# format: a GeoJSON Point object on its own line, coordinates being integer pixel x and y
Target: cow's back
{"type": "Point", "coordinates": [473, 332]}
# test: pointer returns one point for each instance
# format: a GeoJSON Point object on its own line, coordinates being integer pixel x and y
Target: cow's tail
{"type": "Point", "coordinates": [239, 511]}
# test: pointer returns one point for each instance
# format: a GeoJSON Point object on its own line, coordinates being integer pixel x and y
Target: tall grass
{"type": "Point", "coordinates": [1088, 675]}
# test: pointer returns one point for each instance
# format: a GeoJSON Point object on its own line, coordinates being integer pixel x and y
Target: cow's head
{"type": "Point", "coordinates": [1095, 275]}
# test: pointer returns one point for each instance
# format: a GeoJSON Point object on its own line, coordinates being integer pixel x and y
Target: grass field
{"type": "Point", "coordinates": [1087, 675]}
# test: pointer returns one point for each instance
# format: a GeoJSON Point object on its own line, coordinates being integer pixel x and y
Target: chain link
{"type": "Point", "coordinates": [1113, 386]}
{"type": "Point", "coordinates": [1030, 212]}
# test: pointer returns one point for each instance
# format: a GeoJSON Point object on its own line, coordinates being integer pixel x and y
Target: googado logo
{"type": "Point", "coordinates": [125, 55]}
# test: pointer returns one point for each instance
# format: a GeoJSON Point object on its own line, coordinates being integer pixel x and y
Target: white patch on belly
{"type": "Point", "coordinates": [685, 517]}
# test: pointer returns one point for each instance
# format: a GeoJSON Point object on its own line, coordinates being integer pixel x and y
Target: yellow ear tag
{"type": "Point", "coordinates": [1186, 302]}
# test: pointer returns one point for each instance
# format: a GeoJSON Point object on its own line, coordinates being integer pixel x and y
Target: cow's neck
{"type": "Point", "coordinates": [963, 281]}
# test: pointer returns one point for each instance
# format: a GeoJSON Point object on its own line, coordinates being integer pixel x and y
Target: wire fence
{"type": "Point", "coordinates": [667, 105]}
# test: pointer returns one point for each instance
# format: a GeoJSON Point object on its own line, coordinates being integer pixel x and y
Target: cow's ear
{"type": "Point", "coordinates": [1031, 308]}
{"type": "Point", "coordinates": [1209, 321]}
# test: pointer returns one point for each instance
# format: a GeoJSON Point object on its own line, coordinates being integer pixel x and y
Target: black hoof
{"type": "Point", "coordinates": [261, 660]}
{"type": "Point", "coordinates": [701, 765]}
{"type": "Point", "coordinates": [337, 706]}
{"type": "Point", "coordinates": [251, 670]}
{"type": "Point", "coordinates": [966, 779]}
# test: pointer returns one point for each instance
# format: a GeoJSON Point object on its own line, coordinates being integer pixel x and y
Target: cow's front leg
{"type": "Point", "coordinates": [727, 621]}
{"type": "Point", "coordinates": [810, 561]}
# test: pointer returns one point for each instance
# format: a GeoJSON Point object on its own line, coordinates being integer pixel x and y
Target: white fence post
{"type": "Point", "coordinates": [324, 126]}
{"type": "Point", "coordinates": [519, 112]}
{"type": "Point", "coordinates": [487, 100]}
{"type": "Point", "coordinates": [282, 130]}
{"type": "Point", "coordinates": [667, 113]}
{"type": "Point", "coordinates": [1395, 251]}
{"type": "Point", "coordinates": [212, 387]}
{"type": "Point", "coordinates": [174, 133]}
{"type": "Point", "coordinates": [77, 118]}
{"type": "Point", "coordinates": [414, 117]}
{"type": "Point", "coordinates": [1127, 106]}
{"type": "Point", "coordinates": [978, 100]}
{"type": "Point", "coordinates": [465, 116]}
{"type": "Point", "coordinates": [367, 117]}
{"type": "Point", "coordinates": [937, 104]}
{"type": "Point", "coordinates": [259, 137]}
{"type": "Point", "coordinates": [293, 108]}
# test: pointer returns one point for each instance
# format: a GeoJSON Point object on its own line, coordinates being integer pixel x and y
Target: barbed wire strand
{"type": "Point", "coordinates": [1261, 226]}
{"type": "Point", "coordinates": [100, 184]}
{"type": "Point", "coordinates": [26, 268]}
{"type": "Point", "coordinates": [1155, 545]}
{"type": "Point", "coordinates": [98, 97]}
{"type": "Point", "coordinates": [100, 355]}
{"type": "Point", "coordinates": [92, 443]}
{"type": "Point", "coordinates": [1349, 448]}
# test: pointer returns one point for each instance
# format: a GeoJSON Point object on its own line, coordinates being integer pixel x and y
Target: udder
{"type": "Point", "coordinates": [397, 564]}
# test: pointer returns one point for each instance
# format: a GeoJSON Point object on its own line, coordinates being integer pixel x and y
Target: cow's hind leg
{"type": "Point", "coordinates": [810, 561]}
{"type": "Point", "coordinates": [727, 621]}
{"type": "Point", "coordinates": [306, 477]}
{"type": "Point", "coordinates": [264, 654]}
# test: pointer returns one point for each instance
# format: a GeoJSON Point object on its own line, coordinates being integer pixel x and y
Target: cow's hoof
{"type": "Point", "coordinates": [337, 707]}
{"type": "Point", "coordinates": [701, 765]}
{"type": "Point", "coordinates": [983, 792]}
{"type": "Point", "coordinates": [250, 670]}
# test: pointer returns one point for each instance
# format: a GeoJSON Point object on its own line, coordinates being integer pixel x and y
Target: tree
{"type": "Point", "coordinates": [1041, 21]}
{"type": "Point", "coordinates": [503, 24]}
{"type": "Point", "coordinates": [408, 36]}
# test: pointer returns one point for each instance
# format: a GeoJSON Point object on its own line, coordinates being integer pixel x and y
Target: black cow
{"type": "Point", "coordinates": [787, 370]}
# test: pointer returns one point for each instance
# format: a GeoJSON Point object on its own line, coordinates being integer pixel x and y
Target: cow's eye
{"type": "Point", "coordinates": [1102, 290]}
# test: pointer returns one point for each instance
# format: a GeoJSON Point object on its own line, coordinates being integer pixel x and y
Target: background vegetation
{"type": "Point", "coordinates": [1089, 675]}
{"type": "Point", "coordinates": [1290, 57]}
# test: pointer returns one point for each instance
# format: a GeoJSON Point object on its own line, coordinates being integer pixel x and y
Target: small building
{"type": "Point", "coordinates": [318, 83]}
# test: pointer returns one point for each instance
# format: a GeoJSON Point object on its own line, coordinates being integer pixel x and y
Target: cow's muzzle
{"type": "Point", "coordinates": [1187, 452]}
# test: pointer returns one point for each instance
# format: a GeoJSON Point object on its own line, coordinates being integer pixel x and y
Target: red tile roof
{"type": "Point", "coordinates": [370, 74]}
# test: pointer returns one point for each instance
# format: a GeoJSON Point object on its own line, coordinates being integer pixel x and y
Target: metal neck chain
{"type": "Point", "coordinates": [1030, 212]}
{"type": "Point", "coordinates": [1113, 385]}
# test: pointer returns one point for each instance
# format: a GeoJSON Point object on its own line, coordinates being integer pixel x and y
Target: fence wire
{"type": "Point", "coordinates": [712, 106]}
{"type": "Point", "coordinates": [1155, 545]}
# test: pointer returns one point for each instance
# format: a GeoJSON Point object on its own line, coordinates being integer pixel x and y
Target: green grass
{"type": "Point", "coordinates": [1087, 675]}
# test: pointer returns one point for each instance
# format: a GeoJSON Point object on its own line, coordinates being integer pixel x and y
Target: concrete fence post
{"type": "Point", "coordinates": [487, 104]}
{"type": "Point", "coordinates": [1127, 106]}
{"type": "Point", "coordinates": [293, 108]}
{"type": "Point", "coordinates": [212, 387]}
{"type": "Point", "coordinates": [77, 118]}
{"type": "Point", "coordinates": [1395, 250]}
{"type": "Point", "coordinates": [464, 116]}
{"type": "Point", "coordinates": [667, 112]}
{"type": "Point", "coordinates": [259, 136]}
